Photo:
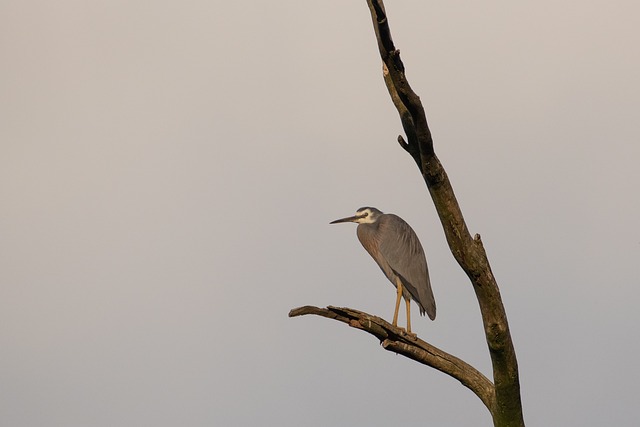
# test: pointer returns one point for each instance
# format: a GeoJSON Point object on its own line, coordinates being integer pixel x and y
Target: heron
{"type": "Point", "coordinates": [395, 247]}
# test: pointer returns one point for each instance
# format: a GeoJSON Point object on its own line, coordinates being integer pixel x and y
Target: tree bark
{"type": "Point", "coordinates": [502, 397]}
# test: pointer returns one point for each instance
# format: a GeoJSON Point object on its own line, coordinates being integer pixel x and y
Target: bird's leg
{"type": "Point", "coordinates": [395, 314]}
{"type": "Point", "coordinates": [408, 303]}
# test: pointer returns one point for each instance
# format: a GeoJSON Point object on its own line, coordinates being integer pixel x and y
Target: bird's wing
{"type": "Point", "coordinates": [401, 248]}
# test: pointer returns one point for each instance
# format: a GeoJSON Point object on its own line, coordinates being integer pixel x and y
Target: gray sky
{"type": "Point", "coordinates": [168, 171]}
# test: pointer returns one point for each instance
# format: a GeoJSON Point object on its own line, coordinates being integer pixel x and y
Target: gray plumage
{"type": "Point", "coordinates": [395, 247]}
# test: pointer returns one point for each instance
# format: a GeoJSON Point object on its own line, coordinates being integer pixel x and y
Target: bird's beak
{"type": "Point", "coordinates": [347, 219]}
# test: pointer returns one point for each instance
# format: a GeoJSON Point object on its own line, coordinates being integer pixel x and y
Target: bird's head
{"type": "Point", "coordinates": [366, 215]}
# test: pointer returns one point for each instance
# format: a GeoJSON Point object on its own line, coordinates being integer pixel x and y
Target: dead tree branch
{"type": "Point", "coordinates": [395, 339]}
{"type": "Point", "coordinates": [502, 398]}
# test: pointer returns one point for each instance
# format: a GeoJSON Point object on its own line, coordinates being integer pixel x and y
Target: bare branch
{"type": "Point", "coordinates": [502, 398]}
{"type": "Point", "coordinates": [398, 86]}
{"type": "Point", "coordinates": [398, 341]}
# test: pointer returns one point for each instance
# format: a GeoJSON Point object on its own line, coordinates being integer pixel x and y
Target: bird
{"type": "Point", "coordinates": [396, 249]}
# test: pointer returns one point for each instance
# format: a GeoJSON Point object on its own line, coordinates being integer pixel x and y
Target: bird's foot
{"type": "Point", "coordinates": [410, 334]}
{"type": "Point", "coordinates": [403, 331]}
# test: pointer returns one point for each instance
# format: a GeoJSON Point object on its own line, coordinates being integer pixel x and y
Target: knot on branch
{"type": "Point", "coordinates": [397, 62]}
{"type": "Point", "coordinates": [497, 335]}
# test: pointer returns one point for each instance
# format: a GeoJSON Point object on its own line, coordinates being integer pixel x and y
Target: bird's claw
{"type": "Point", "coordinates": [403, 331]}
{"type": "Point", "coordinates": [412, 335]}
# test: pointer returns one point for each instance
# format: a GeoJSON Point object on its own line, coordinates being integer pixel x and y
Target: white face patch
{"type": "Point", "coordinates": [369, 218]}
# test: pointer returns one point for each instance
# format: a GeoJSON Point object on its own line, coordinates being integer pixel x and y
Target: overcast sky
{"type": "Point", "coordinates": [168, 171]}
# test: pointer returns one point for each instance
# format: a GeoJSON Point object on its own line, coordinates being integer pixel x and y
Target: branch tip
{"type": "Point", "coordinates": [403, 143]}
